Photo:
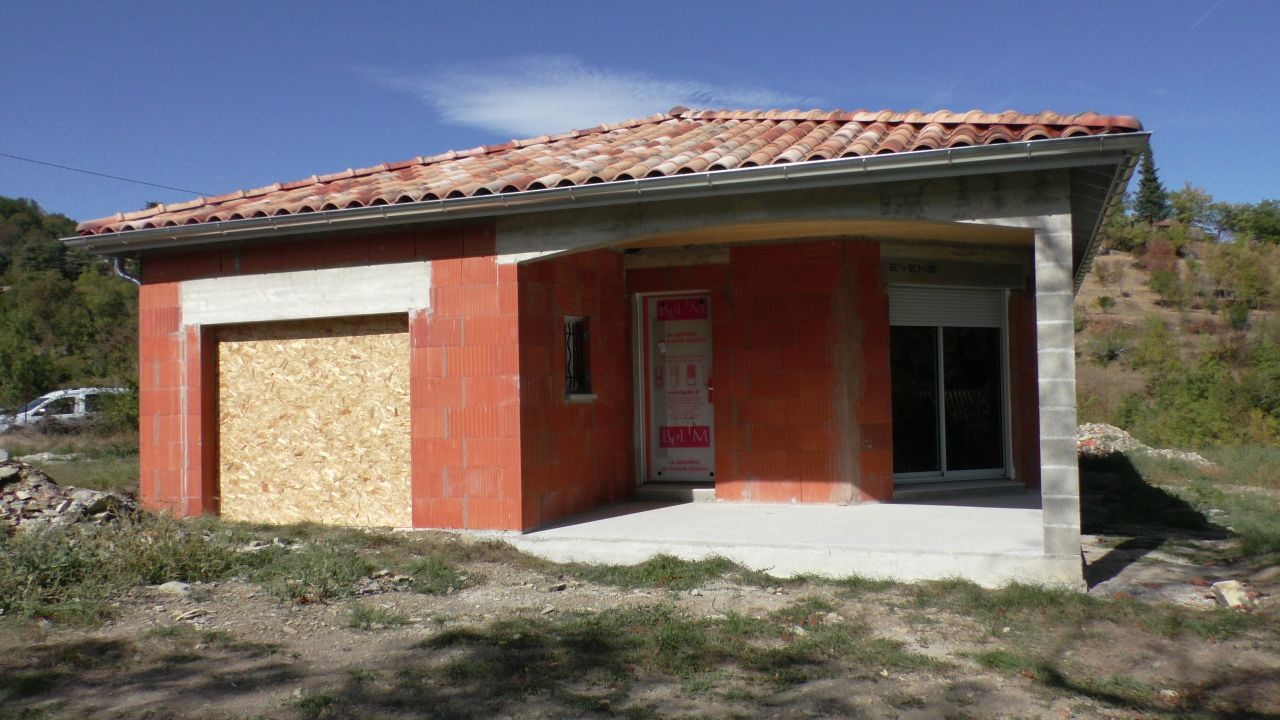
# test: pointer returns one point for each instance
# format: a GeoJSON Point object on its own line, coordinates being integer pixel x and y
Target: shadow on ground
{"type": "Point", "coordinates": [1115, 500]}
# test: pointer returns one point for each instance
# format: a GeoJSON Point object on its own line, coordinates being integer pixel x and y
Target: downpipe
{"type": "Point", "coordinates": [118, 270]}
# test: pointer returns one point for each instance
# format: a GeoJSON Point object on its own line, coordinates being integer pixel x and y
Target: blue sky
{"type": "Point", "coordinates": [213, 97]}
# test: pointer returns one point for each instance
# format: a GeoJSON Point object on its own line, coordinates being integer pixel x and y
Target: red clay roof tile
{"type": "Point", "coordinates": [678, 142]}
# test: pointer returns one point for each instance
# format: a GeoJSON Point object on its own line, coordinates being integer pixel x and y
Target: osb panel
{"type": "Point", "coordinates": [313, 422]}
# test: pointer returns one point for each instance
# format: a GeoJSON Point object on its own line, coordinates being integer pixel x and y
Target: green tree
{"type": "Point", "coordinates": [1192, 206]}
{"type": "Point", "coordinates": [64, 319]}
{"type": "Point", "coordinates": [1152, 204]}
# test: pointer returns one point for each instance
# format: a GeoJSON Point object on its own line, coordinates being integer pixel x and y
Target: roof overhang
{"type": "Point", "coordinates": [1102, 166]}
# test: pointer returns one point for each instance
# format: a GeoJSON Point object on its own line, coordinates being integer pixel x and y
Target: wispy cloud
{"type": "Point", "coordinates": [535, 94]}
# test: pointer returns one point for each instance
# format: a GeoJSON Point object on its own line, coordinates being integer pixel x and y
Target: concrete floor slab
{"type": "Point", "coordinates": [989, 545]}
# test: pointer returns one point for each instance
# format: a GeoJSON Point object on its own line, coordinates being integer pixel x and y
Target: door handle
{"type": "Point", "coordinates": [711, 391]}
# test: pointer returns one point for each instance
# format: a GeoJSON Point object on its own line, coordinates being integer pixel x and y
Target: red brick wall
{"type": "Point", "coordinates": [465, 390]}
{"type": "Point", "coordinates": [1025, 387]}
{"type": "Point", "coordinates": [464, 364]}
{"type": "Point", "coordinates": [160, 391]}
{"type": "Point", "coordinates": [791, 364]}
{"type": "Point", "coordinates": [576, 456]}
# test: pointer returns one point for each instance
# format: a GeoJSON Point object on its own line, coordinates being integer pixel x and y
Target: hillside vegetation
{"type": "Point", "coordinates": [65, 320]}
{"type": "Point", "coordinates": [1178, 330]}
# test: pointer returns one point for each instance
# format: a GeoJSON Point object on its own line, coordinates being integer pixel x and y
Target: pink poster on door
{"type": "Point", "coordinates": [680, 413]}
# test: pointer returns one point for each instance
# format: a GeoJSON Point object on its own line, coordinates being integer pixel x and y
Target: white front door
{"type": "Point", "coordinates": [679, 390]}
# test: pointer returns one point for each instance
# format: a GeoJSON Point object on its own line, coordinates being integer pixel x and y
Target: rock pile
{"type": "Point", "coordinates": [31, 499]}
{"type": "Point", "coordinates": [1101, 440]}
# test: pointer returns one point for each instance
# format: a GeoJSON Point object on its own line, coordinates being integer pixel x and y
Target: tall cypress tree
{"type": "Point", "coordinates": [1152, 204]}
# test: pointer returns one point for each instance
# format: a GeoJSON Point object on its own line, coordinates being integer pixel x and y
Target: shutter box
{"type": "Point", "coordinates": [945, 307]}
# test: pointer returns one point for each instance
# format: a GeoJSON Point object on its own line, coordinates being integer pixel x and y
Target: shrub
{"type": "Point", "coordinates": [314, 573]}
{"type": "Point", "coordinates": [1160, 256]}
{"type": "Point", "coordinates": [1236, 315]}
{"type": "Point", "coordinates": [68, 573]}
{"type": "Point", "coordinates": [1106, 302]}
{"type": "Point", "coordinates": [1168, 285]}
{"type": "Point", "coordinates": [1108, 272]}
{"type": "Point", "coordinates": [1156, 349]}
{"type": "Point", "coordinates": [1109, 346]}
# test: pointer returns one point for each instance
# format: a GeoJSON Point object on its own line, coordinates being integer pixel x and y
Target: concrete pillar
{"type": "Point", "coordinates": [1055, 353]}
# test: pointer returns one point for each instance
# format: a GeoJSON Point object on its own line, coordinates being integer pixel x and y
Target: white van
{"type": "Point", "coordinates": [64, 407]}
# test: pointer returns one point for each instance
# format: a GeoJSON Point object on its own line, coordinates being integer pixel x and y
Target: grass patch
{"type": "Point", "coordinates": [672, 573]}
{"type": "Point", "coordinates": [67, 573]}
{"type": "Point", "coordinates": [314, 573]}
{"type": "Point", "coordinates": [806, 611]}
{"type": "Point", "coordinates": [371, 617]}
{"type": "Point", "coordinates": [1022, 605]}
{"type": "Point", "coordinates": [433, 576]}
{"type": "Point", "coordinates": [88, 444]}
{"type": "Point", "coordinates": [1036, 610]}
{"type": "Point", "coordinates": [361, 676]}
{"type": "Point", "coordinates": [115, 473]}
{"type": "Point", "coordinates": [607, 651]}
{"type": "Point", "coordinates": [856, 585]}
{"type": "Point", "coordinates": [1008, 661]}
{"type": "Point", "coordinates": [25, 684]}
{"type": "Point", "coordinates": [660, 571]}
{"type": "Point", "coordinates": [1253, 516]}
{"type": "Point", "coordinates": [903, 700]}
{"type": "Point", "coordinates": [313, 706]}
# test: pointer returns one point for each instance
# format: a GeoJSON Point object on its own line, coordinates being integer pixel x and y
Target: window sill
{"type": "Point", "coordinates": [580, 398]}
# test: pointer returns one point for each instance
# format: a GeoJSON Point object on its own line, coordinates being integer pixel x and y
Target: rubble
{"type": "Point", "coordinates": [47, 457]}
{"type": "Point", "coordinates": [1232, 594]}
{"type": "Point", "coordinates": [1102, 440]}
{"type": "Point", "coordinates": [31, 499]}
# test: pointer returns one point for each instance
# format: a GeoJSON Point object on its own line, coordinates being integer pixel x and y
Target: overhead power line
{"type": "Point", "coordinates": [99, 174]}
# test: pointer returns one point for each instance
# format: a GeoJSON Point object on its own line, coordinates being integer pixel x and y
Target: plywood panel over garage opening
{"type": "Point", "coordinates": [313, 421]}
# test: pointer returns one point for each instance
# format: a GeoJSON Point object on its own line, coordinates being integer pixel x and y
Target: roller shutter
{"type": "Point", "coordinates": [945, 307]}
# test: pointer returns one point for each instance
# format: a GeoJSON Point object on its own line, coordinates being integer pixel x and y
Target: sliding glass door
{"type": "Point", "coordinates": [948, 391]}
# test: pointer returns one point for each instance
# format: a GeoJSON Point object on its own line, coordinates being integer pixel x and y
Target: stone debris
{"type": "Point", "coordinates": [1102, 440]}
{"type": "Point", "coordinates": [383, 581]}
{"type": "Point", "coordinates": [174, 587]}
{"type": "Point", "coordinates": [47, 457]}
{"type": "Point", "coordinates": [1232, 594]}
{"type": "Point", "coordinates": [31, 499]}
{"type": "Point", "coordinates": [258, 545]}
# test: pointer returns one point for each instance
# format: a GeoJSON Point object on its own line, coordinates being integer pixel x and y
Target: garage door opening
{"type": "Point", "coordinates": [313, 422]}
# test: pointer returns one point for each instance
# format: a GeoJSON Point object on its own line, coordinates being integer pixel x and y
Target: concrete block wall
{"type": "Point", "coordinates": [1055, 360]}
{"type": "Point", "coordinates": [778, 373]}
{"type": "Point", "coordinates": [575, 455]}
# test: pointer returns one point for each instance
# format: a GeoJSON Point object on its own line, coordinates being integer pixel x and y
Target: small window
{"type": "Point", "coordinates": [577, 355]}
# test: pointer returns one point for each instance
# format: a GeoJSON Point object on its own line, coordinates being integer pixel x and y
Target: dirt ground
{"type": "Point", "coordinates": [233, 650]}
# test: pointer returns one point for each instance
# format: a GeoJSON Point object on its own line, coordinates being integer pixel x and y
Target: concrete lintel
{"type": "Point", "coordinates": [306, 294]}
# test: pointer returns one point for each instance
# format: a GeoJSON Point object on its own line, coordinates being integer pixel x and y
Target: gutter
{"type": "Point", "coordinates": [1115, 198]}
{"type": "Point", "coordinates": [1116, 149]}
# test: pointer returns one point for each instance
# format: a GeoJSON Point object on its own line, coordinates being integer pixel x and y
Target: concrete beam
{"type": "Point", "coordinates": [1022, 200]}
{"type": "Point", "coordinates": [307, 294]}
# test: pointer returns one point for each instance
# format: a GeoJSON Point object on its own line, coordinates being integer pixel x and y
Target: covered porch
{"type": "Point", "coordinates": [990, 540]}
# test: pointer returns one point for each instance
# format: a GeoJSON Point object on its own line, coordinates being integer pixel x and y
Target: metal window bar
{"type": "Point", "coordinates": [577, 356]}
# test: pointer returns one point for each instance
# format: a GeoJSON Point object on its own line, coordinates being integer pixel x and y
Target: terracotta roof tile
{"type": "Point", "coordinates": [681, 141]}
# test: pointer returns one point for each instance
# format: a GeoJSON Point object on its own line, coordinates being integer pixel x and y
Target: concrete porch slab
{"type": "Point", "coordinates": [988, 545]}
